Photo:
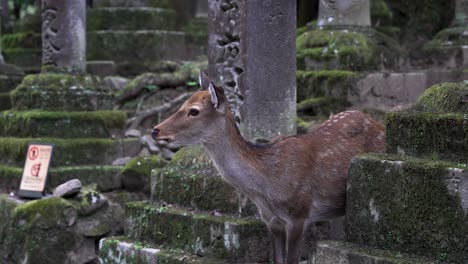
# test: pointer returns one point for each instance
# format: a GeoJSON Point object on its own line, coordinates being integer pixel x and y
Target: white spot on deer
{"type": "Point", "coordinates": [373, 211]}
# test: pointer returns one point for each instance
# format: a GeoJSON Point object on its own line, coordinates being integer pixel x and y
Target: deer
{"type": "Point", "coordinates": [293, 180]}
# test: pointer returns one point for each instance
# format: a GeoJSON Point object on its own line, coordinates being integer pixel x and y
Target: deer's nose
{"type": "Point", "coordinates": [154, 133]}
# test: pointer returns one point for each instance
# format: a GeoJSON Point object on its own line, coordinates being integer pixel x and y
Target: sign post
{"type": "Point", "coordinates": [35, 170]}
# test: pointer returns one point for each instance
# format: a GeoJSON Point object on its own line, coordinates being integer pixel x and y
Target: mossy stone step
{"type": "Point", "coordinates": [96, 124]}
{"type": "Point", "coordinates": [62, 92]}
{"type": "Point", "coordinates": [436, 127]}
{"type": "Point", "coordinates": [133, 3]}
{"type": "Point", "coordinates": [9, 82]}
{"type": "Point", "coordinates": [70, 152]}
{"type": "Point", "coordinates": [325, 83]}
{"type": "Point", "coordinates": [123, 250]}
{"type": "Point", "coordinates": [191, 180]}
{"type": "Point", "coordinates": [29, 59]}
{"type": "Point", "coordinates": [241, 239]}
{"type": "Point", "coordinates": [130, 18]}
{"type": "Point", "coordinates": [332, 252]}
{"type": "Point", "coordinates": [106, 178]}
{"type": "Point", "coordinates": [409, 205]}
{"type": "Point", "coordinates": [140, 45]}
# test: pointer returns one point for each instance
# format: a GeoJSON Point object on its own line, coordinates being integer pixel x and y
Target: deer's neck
{"type": "Point", "coordinates": [238, 161]}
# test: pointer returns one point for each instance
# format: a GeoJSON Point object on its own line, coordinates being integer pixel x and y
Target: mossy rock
{"type": "Point", "coordinates": [137, 46]}
{"type": "Point", "coordinates": [42, 232]}
{"type": "Point", "coordinates": [106, 178]}
{"type": "Point", "coordinates": [122, 249]}
{"type": "Point", "coordinates": [130, 18]}
{"type": "Point", "coordinates": [99, 124]}
{"type": "Point", "coordinates": [346, 49]}
{"type": "Point", "coordinates": [70, 152]}
{"type": "Point", "coordinates": [409, 205]}
{"type": "Point", "coordinates": [436, 127]}
{"type": "Point", "coordinates": [348, 253]}
{"type": "Point", "coordinates": [7, 206]}
{"type": "Point", "coordinates": [136, 174]}
{"type": "Point", "coordinates": [62, 92]}
{"type": "Point", "coordinates": [333, 84]}
{"type": "Point", "coordinates": [133, 3]}
{"type": "Point", "coordinates": [321, 106]}
{"type": "Point", "coordinates": [196, 31]}
{"type": "Point", "coordinates": [190, 179]}
{"type": "Point", "coordinates": [242, 240]}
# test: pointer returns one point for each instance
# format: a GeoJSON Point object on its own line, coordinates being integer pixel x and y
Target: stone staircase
{"type": "Point", "coordinates": [73, 113]}
{"type": "Point", "coordinates": [410, 205]}
{"type": "Point", "coordinates": [133, 33]}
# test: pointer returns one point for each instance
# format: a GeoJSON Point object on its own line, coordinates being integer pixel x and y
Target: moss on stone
{"type": "Point", "coordinates": [67, 152]}
{"type": "Point", "coordinates": [5, 102]}
{"type": "Point", "coordinates": [28, 59]}
{"type": "Point", "coordinates": [136, 174]}
{"type": "Point", "coordinates": [190, 179]}
{"type": "Point", "coordinates": [196, 31]}
{"type": "Point", "coordinates": [321, 106]}
{"type": "Point", "coordinates": [346, 50]}
{"type": "Point", "coordinates": [134, 46]}
{"type": "Point", "coordinates": [130, 18]}
{"type": "Point", "coordinates": [10, 178]}
{"type": "Point", "coordinates": [408, 205]}
{"type": "Point", "coordinates": [140, 3]}
{"type": "Point", "coordinates": [444, 98]}
{"type": "Point", "coordinates": [62, 92]}
{"type": "Point", "coordinates": [25, 40]}
{"type": "Point", "coordinates": [325, 83]}
{"type": "Point", "coordinates": [244, 240]}
{"type": "Point", "coordinates": [99, 124]}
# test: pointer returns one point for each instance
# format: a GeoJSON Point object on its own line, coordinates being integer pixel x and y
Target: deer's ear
{"type": "Point", "coordinates": [204, 80]}
{"type": "Point", "coordinates": [214, 96]}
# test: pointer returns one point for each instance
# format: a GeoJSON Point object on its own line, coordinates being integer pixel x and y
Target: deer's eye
{"type": "Point", "coordinates": [194, 112]}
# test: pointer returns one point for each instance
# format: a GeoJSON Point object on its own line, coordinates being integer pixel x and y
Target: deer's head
{"type": "Point", "coordinates": [198, 119]}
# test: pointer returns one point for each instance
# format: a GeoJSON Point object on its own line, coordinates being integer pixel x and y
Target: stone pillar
{"type": "Point", "coordinates": [252, 54]}
{"type": "Point", "coordinates": [344, 12]}
{"type": "Point", "coordinates": [461, 13]}
{"type": "Point", "coordinates": [64, 34]}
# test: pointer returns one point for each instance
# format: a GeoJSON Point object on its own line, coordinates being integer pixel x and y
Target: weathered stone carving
{"type": "Point", "coordinates": [64, 34]}
{"type": "Point", "coordinates": [344, 12]}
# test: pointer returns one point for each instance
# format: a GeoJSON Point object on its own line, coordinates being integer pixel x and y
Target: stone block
{"type": "Point", "coordinates": [133, 3]}
{"type": "Point", "coordinates": [333, 252]}
{"type": "Point", "coordinates": [106, 178]}
{"type": "Point", "coordinates": [28, 59]}
{"type": "Point", "coordinates": [70, 152]}
{"type": "Point", "coordinates": [62, 92]}
{"type": "Point", "coordinates": [334, 84]}
{"type": "Point", "coordinates": [130, 18]}
{"type": "Point", "coordinates": [141, 45]}
{"type": "Point", "coordinates": [101, 68]}
{"type": "Point", "coordinates": [239, 239]}
{"type": "Point", "coordinates": [136, 174]}
{"type": "Point", "coordinates": [387, 90]}
{"type": "Point", "coordinates": [191, 180]}
{"type": "Point", "coordinates": [99, 124]}
{"type": "Point", "coordinates": [123, 250]}
{"type": "Point", "coordinates": [409, 205]}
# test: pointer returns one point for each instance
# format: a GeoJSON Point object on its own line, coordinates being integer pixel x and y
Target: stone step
{"type": "Point", "coordinates": [123, 250]}
{"type": "Point", "coordinates": [410, 205]}
{"type": "Point", "coordinates": [436, 127]}
{"type": "Point", "coordinates": [98, 124]}
{"type": "Point", "coordinates": [5, 101]}
{"type": "Point", "coordinates": [29, 59]}
{"type": "Point", "coordinates": [244, 240]}
{"type": "Point", "coordinates": [332, 252]}
{"type": "Point", "coordinates": [133, 3]}
{"type": "Point", "coordinates": [8, 82]}
{"type": "Point", "coordinates": [70, 152]}
{"type": "Point", "coordinates": [140, 45]}
{"type": "Point", "coordinates": [130, 18]}
{"type": "Point", "coordinates": [62, 92]}
{"type": "Point", "coordinates": [428, 136]}
{"type": "Point", "coordinates": [106, 178]}
{"type": "Point", "coordinates": [191, 180]}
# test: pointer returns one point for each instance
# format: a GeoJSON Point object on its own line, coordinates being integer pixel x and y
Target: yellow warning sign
{"type": "Point", "coordinates": [36, 167]}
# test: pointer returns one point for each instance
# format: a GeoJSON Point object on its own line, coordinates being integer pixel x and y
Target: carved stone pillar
{"type": "Point", "coordinates": [344, 13]}
{"type": "Point", "coordinates": [64, 34]}
{"type": "Point", "coordinates": [252, 54]}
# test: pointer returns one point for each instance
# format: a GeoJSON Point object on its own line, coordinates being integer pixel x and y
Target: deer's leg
{"type": "Point", "coordinates": [294, 237]}
{"type": "Point", "coordinates": [277, 229]}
